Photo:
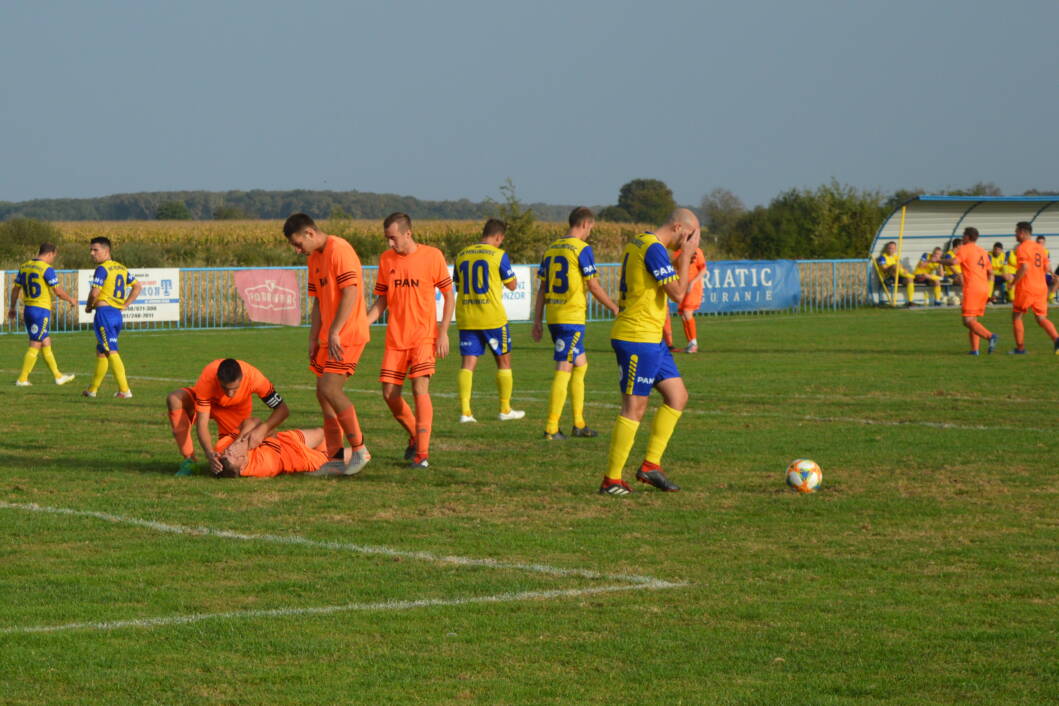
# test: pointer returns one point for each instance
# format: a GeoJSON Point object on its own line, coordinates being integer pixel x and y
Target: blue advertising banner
{"type": "Point", "coordinates": [750, 285]}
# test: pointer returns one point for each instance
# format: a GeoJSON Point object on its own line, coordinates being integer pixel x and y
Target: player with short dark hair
{"type": "Point", "coordinates": [977, 269]}
{"type": "Point", "coordinates": [224, 393]}
{"type": "Point", "coordinates": [409, 274]}
{"type": "Point", "coordinates": [291, 451]}
{"type": "Point", "coordinates": [480, 274]}
{"type": "Point", "coordinates": [36, 281]}
{"type": "Point", "coordinates": [338, 331]}
{"type": "Point", "coordinates": [648, 278]}
{"type": "Point", "coordinates": [1031, 287]}
{"type": "Point", "coordinates": [567, 271]}
{"type": "Point", "coordinates": [114, 288]}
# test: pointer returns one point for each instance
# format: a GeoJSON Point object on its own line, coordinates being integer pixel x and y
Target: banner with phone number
{"type": "Point", "coordinates": [159, 298]}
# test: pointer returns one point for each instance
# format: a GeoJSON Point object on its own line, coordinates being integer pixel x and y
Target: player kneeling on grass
{"type": "Point", "coordinates": [224, 392]}
{"type": "Point", "coordinates": [291, 451]}
{"type": "Point", "coordinates": [482, 271]}
{"type": "Point", "coordinates": [645, 362]}
{"type": "Point", "coordinates": [977, 270]}
{"type": "Point", "coordinates": [37, 281]}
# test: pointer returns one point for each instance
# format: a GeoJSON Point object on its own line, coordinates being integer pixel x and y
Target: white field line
{"type": "Point", "coordinates": [709, 412]}
{"type": "Point", "coordinates": [332, 609]}
{"type": "Point", "coordinates": [633, 582]}
{"type": "Point", "coordinates": [335, 546]}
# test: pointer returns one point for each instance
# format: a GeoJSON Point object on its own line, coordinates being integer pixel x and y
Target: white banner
{"type": "Point", "coordinates": [516, 302]}
{"type": "Point", "coordinates": [159, 298]}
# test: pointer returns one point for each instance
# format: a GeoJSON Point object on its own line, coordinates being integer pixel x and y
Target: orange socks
{"type": "Point", "coordinates": [1049, 328]}
{"type": "Point", "coordinates": [689, 329]}
{"type": "Point", "coordinates": [424, 419]}
{"type": "Point", "coordinates": [347, 419]}
{"type": "Point", "coordinates": [332, 436]}
{"type": "Point", "coordinates": [980, 330]}
{"type": "Point", "coordinates": [403, 414]}
{"type": "Point", "coordinates": [667, 331]}
{"type": "Point", "coordinates": [1020, 333]}
{"type": "Point", "coordinates": [181, 424]}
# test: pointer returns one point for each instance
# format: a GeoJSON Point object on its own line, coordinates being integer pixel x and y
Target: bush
{"type": "Point", "coordinates": [21, 237]}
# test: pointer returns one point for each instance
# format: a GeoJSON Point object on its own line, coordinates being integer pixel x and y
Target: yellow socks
{"type": "Point", "coordinates": [101, 372]}
{"type": "Point", "coordinates": [577, 394]}
{"type": "Point", "coordinates": [621, 440]}
{"type": "Point", "coordinates": [664, 424]}
{"type": "Point", "coordinates": [910, 290]}
{"type": "Point", "coordinates": [556, 400]}
{"type": "Point", "coordinates": [28, 361]}
{"type": "Point", "coordinates": [49, 358]}
{"type": "Point", "coordinates": [465, 381]}
{"type": "Point", "coordinates": [505, 382]}
{"type": "Point", "coordinates": [119, 372]}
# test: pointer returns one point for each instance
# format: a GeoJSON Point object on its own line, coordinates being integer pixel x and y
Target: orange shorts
{"type": "Point", "coordinates": [285, 452]}
{"type": "Point", "coordinates": [397, 363]}
{"type": "Point", "coordinates": [974, 303]}
{"type": "Point", "coordinates": [1039, 305]}
{"type": "Point", "coordinates": [692, 300]}
{"type": "Point", "coordinates": [323, 363]}
{"type": "Point", "coordinates": [228, 419]}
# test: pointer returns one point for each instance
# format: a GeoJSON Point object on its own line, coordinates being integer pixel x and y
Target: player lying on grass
{"type": "Point", "coordinates": [481, 274]}
{"type": "Point", "coordinates": [37, 282]}
{"type": "Point", "coordinates": [648, 281]}
{"type": "Point", "coordinates": [224, 392]}
{"type": "Point", "coordinates": [290, 451]}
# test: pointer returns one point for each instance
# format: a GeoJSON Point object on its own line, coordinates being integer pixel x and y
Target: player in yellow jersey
{"type": "Point", "coordinates": [113, 289]}
{"type": "Point", "coordinates": [567, 272]}
{"type": "Point", "coordinates": [998, 262]}
{"type": "Point", "coordinates": [480, 272]}
{"type": "Point", "coordinates": [929, 271]}
{"type": "Point", "coordinates": [648, 278]}
{"type": "Point", "coordinates": [889, 268]}
{"type": "Point", "coordinates": [37, 281]}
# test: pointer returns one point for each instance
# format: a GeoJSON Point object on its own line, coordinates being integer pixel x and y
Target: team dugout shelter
{"type": "Point", "coordinates": [933, 221]}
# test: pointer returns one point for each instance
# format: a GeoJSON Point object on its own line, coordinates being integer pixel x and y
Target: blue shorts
{"type": "Point", "coordinates": [475, 341]}
{"type": "Point", "coordinates": [643, 365]}
{"type": "Point", "coordinates": [107, 326]}
{"type": "Point", "coordinates": [37, 320]}
{"type": "Point", "coordinates": [569, 340]}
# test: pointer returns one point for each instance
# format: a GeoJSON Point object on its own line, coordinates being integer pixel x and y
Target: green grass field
{"type": "Point", "coordinates": [925, 570]}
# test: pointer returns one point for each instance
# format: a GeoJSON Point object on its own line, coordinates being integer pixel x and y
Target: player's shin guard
{"type": "Point", "coordinates": [505, 382]}
{"type": "Point", "coordinates": [180, 422]}
{"type": "Point", "coordinates": [665, 422]}
{"type": "Point", "coordinates": [101, 372]}
{"type": "Point", "coordinates": [1020, 333]}
{"type": "Point", "coordinates": [49, 358]}
{"type": "Point", "coordinates": [403, 414]}
{"type": "Point", "coordinates": [556, 400]}
{"type": "Point", "coordinates": [689, 329]}
{"type": "Point", "coordinates": [332, 436]}
{"type": "Point", "coordinates": [347, 419]}
{"type": "Point", "coordinates": [577, 394]}
{"type": "Point", "coordinates": [119, 371]}
{"type": "Point", "coordinates": [424, 420]}
{"type": "Point", "coordinates": [28, 361]}
{"type": "Point", "coordinates": [621, 440]}
{"type": "Point", "coordinates": [465, 383]}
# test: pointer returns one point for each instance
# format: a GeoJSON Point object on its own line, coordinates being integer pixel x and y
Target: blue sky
{"type": "Point", "coordinates": [568, 99]}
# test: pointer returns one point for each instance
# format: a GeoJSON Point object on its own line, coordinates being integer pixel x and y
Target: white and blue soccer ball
{"type": "Point", "coordinates": [804, 475]}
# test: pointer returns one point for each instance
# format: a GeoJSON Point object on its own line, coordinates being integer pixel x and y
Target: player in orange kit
{"type": "Point", "coordinates": [338, 331]}
{"type": "Point", "coordinates": [408, 275]}
{"type": "Point", "coordinates": [689, 304]}
{"type": "Point", "coordinates": [224, 392]}
{"type": "Point", "coordinates": [1031, 287]}
{"type": "Point", "coordinates": [977, 271]}
{"type": "Point", "coordinates": [291, 451]}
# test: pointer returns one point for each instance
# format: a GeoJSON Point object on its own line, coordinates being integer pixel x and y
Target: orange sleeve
{"type": "Point", "coordinates": [205, 387]}
{"type": "Point", "coordinates": [344, 266]}
{"type": "Point", "coordinates": [382, 277]}
{"type": "Point", "coordinates": [442, 280]}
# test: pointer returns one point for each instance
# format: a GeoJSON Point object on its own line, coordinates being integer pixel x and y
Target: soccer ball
{"type": "Point", "coordinates": [804, 475]}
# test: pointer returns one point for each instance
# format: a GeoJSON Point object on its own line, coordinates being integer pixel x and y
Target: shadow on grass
{"type": "Point", "coordinates": [88, 463]}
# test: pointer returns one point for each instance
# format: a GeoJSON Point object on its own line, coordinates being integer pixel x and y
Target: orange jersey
{"type": "Point", "coordinates": [695, 269]}
{"type": "Point", "coordinates": [333, 268]}
{"type": "Point", "coordinates": [284, 452]}
{"type": "Point", "coordinates": [1033, 284]}
{"type": "Point", "coordinates": [408, 283]}
{"type": "Point", "coordinates": [210, 396]}
{"type": "Point", "coordinates": [976, 267]}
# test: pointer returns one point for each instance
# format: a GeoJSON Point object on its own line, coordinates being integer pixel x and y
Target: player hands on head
{"type": "Point", "coordinates": [291, 451]}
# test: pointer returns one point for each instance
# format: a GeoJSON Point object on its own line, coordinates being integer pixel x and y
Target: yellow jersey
{"type": "Point", "coordinates": [951, 269]}
{"type": "Point", "coordinates": [480, 273]}
{"type": "Point", "coordinates": [645, 269]}
{"type": "Point", "coordinates": [998, 262]}
{"type": "Point", "coordinates": [567, 264]}
{"type": "Point", "coordinates": [36, 279]}
{"type": "Point", "coordinates": [113, 280]}
{"type": "Point", "coordinates": [1011, 263]}
{"type": "Point", "coordinates": [928, 267]}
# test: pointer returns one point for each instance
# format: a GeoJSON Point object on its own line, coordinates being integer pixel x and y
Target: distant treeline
{"type": "Point", "coordinates": [256, 204]}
